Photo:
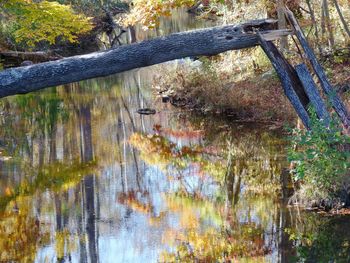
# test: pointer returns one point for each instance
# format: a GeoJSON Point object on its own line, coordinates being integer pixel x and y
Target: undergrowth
{"type": "Point", "coordinates": [217, 86]}
{"type": "Point", "coordinates": [321, 162]}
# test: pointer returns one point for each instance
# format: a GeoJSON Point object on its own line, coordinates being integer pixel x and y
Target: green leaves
{"type": "Point", "coordinates": [318, 156]}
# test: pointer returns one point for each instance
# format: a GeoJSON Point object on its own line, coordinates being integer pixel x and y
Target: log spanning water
{"type": "Point", "coordinates": [210, 41]}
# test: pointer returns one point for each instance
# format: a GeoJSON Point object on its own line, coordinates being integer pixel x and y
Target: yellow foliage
{"type": "Point", "coordinates": [34, 22]}
{"type": "Point", "coordinates": [148, 12]}
{"type": "Point", "coordinates": [220, 242]}
{"type": "Point", "coordinates": [66, 242]}
{"type": "Point", "coordinates": [19, 235]}
{"type": "Point", "coordinates": [57, 177]}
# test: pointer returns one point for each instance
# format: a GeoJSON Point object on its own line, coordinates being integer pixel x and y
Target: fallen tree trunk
{"type": "Point", "coordinates": [210, 41]}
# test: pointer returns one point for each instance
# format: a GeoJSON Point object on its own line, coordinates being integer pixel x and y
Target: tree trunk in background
{"type": "Point", "coordinates": [327, 20]}
{"type": "Point", "coordinates": [132, 34]}
{"type": "Point", "coordinates": [312, 14]}
{"type": "Point", "coordinates": [345, 25]}
{"type": "Point", "coordinates": [53, 147]}
{"type": "Point", "coordinates": [323, 22]}
{"type": "Point", "coordinates": [282, 24]}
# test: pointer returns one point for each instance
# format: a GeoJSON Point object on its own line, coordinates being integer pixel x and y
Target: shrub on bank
{"type": "Point", "coordinates": [321, 160]}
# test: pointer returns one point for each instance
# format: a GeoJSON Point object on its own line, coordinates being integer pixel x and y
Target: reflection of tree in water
{"type": "Point", "coordinates": [56, 177]}
{"type": "Point", "coordinates": [251, 158]}
{"type": "Point", "coordinates": [220, 239]}
{"type": "Point", "coordinates": [227, 220]}
{"type": "Point", "coordinates": [19, 235]}
{"type": "Point", "coordinates": [28, 123]}
{"type": "Point", "coordinates": [90, 205]}
{"type": "Point", "coordinates": [53, 137]}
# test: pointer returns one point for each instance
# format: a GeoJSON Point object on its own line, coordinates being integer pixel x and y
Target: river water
{"type": "Point", "coordinates": [85, 178]}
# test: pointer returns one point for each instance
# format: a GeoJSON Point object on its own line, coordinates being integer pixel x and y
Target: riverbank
{"type": "Point", "coordinates": [252, 92]}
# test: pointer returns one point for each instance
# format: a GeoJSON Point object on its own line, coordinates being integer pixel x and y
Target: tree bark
{"type": "Point", "coordinates": [312, 93]}
{"type": "Point", "coordinates": [209, 41]}
{"type": "Point", "coordinates": [345, 25]}
{"type": "Point", "coordinates": [291, 84]}
{"type": "Point", "coordinates": [282, 23]}
{"type": "Point", "coordinates": [313, 18]}
{"type": "Point", "coordinates": [325, 9]}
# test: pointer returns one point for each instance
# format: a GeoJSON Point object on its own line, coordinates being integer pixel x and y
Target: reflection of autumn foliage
{"type": "Point", "coordinates": [159, 144]}
{"type": "Point", "coordinates": [57, 176]}
{"type": "Point", "coordinates": [158, 150]}
{"type": "Point", "coordinates": [187, 134]}
{"type": "Point", "coordinates": [147, 13]}
{"type": "Point", "coordinates": [19, 235]}
{"type": "Point", "coordinates": [141, 202]}
{"type": "Point", "coordinates": [209, 174]}
{"type": "Point", "coordinates": [131, 200]}
{"type": "Point", "coordinates": [213, 245]}
{"type": "Point", "coordinates": [20, 232]}
{"type": "Point", "coordinates": [218, 242]}
{"type": "Point", "coordinates": [66, 243]}
{"type": "Point", "coordinates": [154, 148]}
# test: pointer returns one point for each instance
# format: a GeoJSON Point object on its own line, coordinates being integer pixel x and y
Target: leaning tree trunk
{"type": "Point", "coordinates": [210, 41]}
{"type": "Point", "coordinates": [336, 101]}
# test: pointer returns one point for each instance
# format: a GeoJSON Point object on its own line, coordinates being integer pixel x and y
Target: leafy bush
{"type": "Point", "coordinates": [321, 160]}
{"type": "Point", "coordinates": [30, 22]}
